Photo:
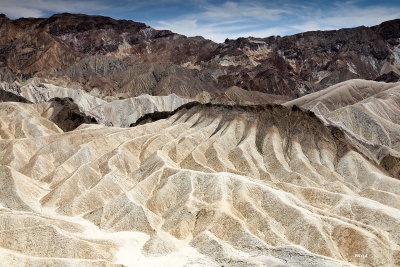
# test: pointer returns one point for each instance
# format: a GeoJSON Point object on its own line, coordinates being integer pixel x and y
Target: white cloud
{"type": "Point", "coordinates": [37, 8]}
{"type": "Point", "coordinates": [216, 32]}
{"type": "Point", "coordinates": [191, 27]}
{"type": "Point", "coordinates": [20, 11]}
{"type": "Point", "coordinates": [257, 19]}
{"type": "Point", "coordinates": [228, 20]}
{"type": "Point", "coordinates": [347, 15]}
{"type": "Point", "coordinates": [251, 10]}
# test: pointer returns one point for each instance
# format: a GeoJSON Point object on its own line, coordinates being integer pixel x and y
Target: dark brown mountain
{"type": "Point", "coordinates": [125, 58]}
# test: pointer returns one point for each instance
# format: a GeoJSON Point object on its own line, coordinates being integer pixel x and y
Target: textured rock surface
{"type": "Point", "coordinates": [127, 59]}
{"type": "Point", "coordinates": [210, 185]}
{"type": "Point", "coordinates": [19, 120]}
{"type": "Point", "coordinates": [368, 113]}
{"type": "Point", "coordinates": [69, 108]}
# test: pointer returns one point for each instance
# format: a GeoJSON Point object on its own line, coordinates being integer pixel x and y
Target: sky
{"type": "Point", "coordinates": [218, 20]}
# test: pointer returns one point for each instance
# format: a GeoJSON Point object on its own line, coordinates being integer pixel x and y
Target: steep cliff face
{"type": "Point", "coordinates": [118, 56]}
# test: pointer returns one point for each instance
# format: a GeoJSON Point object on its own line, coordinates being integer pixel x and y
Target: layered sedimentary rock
{"type": "Point", "coordinates": [125, 58]}
{"type": "Point", "coordinates": [209, 185]}
{"type": "Point", "coordinates": [72, 107]}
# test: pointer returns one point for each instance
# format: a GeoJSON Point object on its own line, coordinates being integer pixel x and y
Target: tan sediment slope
{"type": "Point", "coordinates": [368, 113]}
{"type": "Point", "coordinates": [121, 113]}
{"type": "Point", "coordinates": [21, 120]}
{"type": "Point", "coordinates": [341, 95]}
{"type": "Point", "coordinates": [222, 185]}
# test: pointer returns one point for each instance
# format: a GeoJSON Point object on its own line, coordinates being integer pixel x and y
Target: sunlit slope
{"type": "Point", "coordinates": [367, 112]}
{"type": "Point", "coordinates": [120, 113]}
{"type": "Point", "coordinates": [239, 185]}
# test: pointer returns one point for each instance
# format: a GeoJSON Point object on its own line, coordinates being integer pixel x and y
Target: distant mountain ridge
{"type": "Point", "coordinates": [121, 57]}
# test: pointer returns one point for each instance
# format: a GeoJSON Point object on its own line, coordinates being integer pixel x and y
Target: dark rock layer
{"type": "Point", "coordinates": [6, 96]}
{"type": "Point", "coordinates": [67, 115]}
{"type": "Point", "coordinates": [130, 58]}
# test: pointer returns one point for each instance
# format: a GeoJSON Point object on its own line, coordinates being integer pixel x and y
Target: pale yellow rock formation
{"type": "Point", "coordinates": [210, 185]}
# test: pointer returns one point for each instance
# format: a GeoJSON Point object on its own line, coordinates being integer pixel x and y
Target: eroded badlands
{"type": "Point", "coordinates": [209, 185]}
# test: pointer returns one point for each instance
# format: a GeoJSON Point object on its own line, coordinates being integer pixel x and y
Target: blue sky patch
{"type": "Point", "coordinates": [218, 20]}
